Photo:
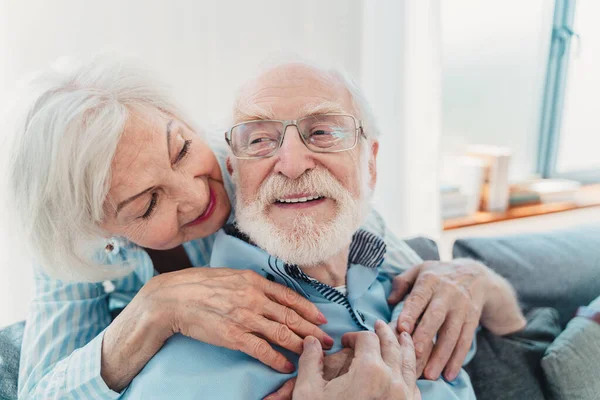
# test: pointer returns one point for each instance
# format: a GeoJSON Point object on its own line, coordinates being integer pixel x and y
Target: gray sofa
{"type": "Point", "coordinates": [553, 274]}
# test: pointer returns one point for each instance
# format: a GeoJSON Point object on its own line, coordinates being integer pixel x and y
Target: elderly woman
{"type": "Point", "coordinates": [118, 196]}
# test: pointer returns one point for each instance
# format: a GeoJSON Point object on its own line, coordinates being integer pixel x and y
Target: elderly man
{"type": "Point", "coordinates": [305, 166]}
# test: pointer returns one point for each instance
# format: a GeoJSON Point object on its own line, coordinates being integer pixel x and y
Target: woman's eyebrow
{"type": "Point", "coordinates": [169, 124]}
{"type": "Point", "coordinates": [132, 198]}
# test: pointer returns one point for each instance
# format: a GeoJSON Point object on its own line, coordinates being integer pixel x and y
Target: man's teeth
{"type": "Point", "coordinates": [300, 199]}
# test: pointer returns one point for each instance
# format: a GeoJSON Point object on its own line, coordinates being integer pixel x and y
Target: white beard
{"type": "Point", "coordinates": [309, 242]}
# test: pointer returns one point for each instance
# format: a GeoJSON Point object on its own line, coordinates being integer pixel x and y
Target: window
{"type": "Point", "coordinates": [570, 129]}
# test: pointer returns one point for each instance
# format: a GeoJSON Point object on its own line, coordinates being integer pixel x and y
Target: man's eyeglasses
{"type": "Point", "coordinates": [324, 133]}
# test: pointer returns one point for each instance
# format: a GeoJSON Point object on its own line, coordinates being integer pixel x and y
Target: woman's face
{"type": "Point", "coordinates": [167, 187]}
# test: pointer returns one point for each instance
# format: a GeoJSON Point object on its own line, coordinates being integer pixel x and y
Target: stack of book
{"type": "Point", "coordinates": [544, 191]}
{"type": "Point", "coordinates": [495, 193]}
{"type": "Point", "coordinates": [454, 203]}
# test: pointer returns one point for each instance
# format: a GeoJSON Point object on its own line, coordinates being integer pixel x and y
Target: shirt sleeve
{"type": "Point", "coordinates": [61, 350]}
{"type": "Point", "coordinates": [399, 256]}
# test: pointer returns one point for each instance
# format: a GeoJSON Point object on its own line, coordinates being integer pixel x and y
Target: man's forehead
{"type": "Point", "coordinates": [292, 91]}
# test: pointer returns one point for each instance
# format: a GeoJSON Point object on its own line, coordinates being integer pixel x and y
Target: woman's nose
{"type": "Point", "coordinates": [193, 194]}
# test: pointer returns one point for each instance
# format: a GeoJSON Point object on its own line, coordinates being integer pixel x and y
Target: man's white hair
{"type": "Point", "coordinates": [331, 74]}
{"type": "Point", "coordinates": [66, 134]}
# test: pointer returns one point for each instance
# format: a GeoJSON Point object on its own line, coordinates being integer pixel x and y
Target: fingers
{"type": "Point", "coordinates": [417, 301]}
{"type": "Point", "coordinates": [276, 333]}
{"type": "Point", "coordinates": [402, 284]}
{"type": "Point", "coordinates": [263, 352]}
{"type": "Point", "coordinates": [284, 392]}
{"type": "Point", "coordinates": [287, 297]}
{"type": "Point", "coordinates": [446, 343]}
{"type": "Point", "coordinates": [423, 358]}
{"type": "Point", "coordinates": [430, 323]}
{"type": "Point", "coordinates": [300, 326]}
{"type": "Point", "coordinates": [462, 349]}
{"type": "Point", "coordinates": [310, 366]}
{"type": "Point", "coordinates": [409, 360]}
{"type": "Point", "coordinates": [365, 344]}
{"type": "Point", "coordinates": [390, 348]}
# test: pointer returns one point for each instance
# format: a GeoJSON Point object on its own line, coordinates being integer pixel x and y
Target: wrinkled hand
{"type": "Point", "coordinates": [446, 300]}
{"type": "Point", "coordinates": [334, 365]}
{"type": "Point", "coordinates": [239, 310]}
{"type": "Point", "coordinates": [381, 369]}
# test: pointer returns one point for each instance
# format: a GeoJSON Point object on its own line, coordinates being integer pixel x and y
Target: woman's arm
{"type": "Point", "coordinates": [72, 349]}
{"type": "Point", "coordinates": [61, 350]}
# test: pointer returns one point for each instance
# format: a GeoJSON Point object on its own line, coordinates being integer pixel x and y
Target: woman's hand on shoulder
{"type": "Point", "coordinates": [236, 309]}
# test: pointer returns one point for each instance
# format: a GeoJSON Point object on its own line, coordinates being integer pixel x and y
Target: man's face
{"type": "Point", "coordinates": [274, 205]}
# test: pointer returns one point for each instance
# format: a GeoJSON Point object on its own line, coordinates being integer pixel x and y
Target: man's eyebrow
{"type": "Point", "coordinates": [252, 114]}
{"type": "Point", "coordinates": [327, 107]}
{"type": "Point", "coordinates": [132, 198]}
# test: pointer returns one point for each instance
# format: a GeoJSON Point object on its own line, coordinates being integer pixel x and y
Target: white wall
{"type": "Point", "coordinates": [495, 55]}
{"type": "Point", "coordinates": [206, 48]}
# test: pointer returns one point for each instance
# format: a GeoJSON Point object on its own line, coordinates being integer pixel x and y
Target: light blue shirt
{"type": "Point", "coordinates": [61, 350]}
{"type": "Point", "coordinates": [188, 369]}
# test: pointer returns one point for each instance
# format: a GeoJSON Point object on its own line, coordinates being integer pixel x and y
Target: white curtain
{"type": "Point", "coordinates": [401, 74]}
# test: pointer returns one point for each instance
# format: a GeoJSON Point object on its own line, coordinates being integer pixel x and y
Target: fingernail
{"type": "Point", "coordinates": [405, 335]}
{"type": "Point", "coordinates": [450, 376]}
{"type": "Point", "coordinates": [328, 341]}
{"type": "Point", "coordinates": [289, 367]}
{"type": "Point", "coordinates": [431, 374]}
{"type": "Point", "coordinates": [405, 326]}
{"type": "Point", "coordinates": [321, 318]}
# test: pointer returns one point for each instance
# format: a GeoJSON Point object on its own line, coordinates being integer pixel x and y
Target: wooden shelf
{"type": "Point", "coordinates": [588, 196]}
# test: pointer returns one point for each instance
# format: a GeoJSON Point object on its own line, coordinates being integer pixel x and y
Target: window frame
{"type": "Point", "coordinates": [563, 37]}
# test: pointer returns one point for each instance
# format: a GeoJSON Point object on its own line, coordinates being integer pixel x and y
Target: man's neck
{"type": "Point", "coordinates": [331, 272]}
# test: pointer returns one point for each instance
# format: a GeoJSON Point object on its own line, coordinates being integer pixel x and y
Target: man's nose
{"type": "Point", "coordinates": [293, 158]}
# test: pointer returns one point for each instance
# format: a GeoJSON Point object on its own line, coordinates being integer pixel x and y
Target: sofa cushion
{"type": "Point", "coordinates": [10, 348]}
{"type": "Point", "coordinates": [559, 269]}
{"type": "Point", "coordinates": [509, 367]}
{"type": "Point", "coordinates": [572, 363]}
{"type": "Point", "coordinates": [426, 248]}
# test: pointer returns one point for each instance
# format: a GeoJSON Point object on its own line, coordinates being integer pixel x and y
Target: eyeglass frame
{"type": "Point", "coordinates": [294, 122]}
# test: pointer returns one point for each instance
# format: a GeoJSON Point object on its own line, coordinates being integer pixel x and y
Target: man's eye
{"type": "Point", "coordinates": [258, 140]}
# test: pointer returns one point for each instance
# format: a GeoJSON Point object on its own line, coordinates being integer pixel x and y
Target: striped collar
{"type": "Point", "coordinates": [366, 248]}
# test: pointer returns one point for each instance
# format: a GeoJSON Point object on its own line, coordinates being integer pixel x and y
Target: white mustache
{"type": "Point", "coordinates": [316, 182]}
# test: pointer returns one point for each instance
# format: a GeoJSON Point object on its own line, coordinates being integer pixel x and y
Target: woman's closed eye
{"type": "Point", "coordinates": [184, 151]}
{"type": "Point", "coordinates": [151, 207]}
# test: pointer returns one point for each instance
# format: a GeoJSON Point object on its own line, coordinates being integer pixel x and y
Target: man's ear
{"type": "Point", "coordinates": [373, 163]}
{"type": "Point", "coordinates": [229, 166]}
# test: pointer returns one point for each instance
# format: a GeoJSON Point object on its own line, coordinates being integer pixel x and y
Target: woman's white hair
{"type": "Point", "coordinates": [59, 168]}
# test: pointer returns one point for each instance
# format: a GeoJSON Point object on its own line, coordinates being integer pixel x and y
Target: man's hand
{"type": "Point", "coordinates": [447, 299]}
{"type": "Point", "coordinates": [381, 369]}
{"type": "Point", "coordinates": [334, 365]}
